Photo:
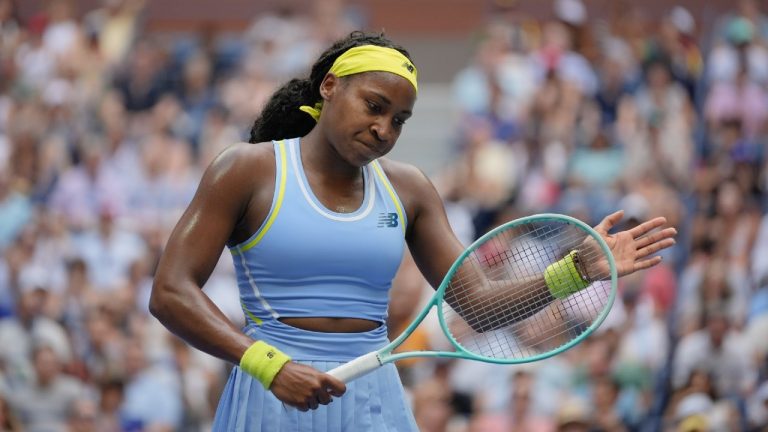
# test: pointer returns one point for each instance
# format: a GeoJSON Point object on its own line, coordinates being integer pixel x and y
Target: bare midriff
{"type": "Point", "coordinates": [332, 325]}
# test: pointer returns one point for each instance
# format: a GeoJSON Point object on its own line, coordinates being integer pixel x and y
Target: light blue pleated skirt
{"type": "Point", "coordinates": [374, 402]}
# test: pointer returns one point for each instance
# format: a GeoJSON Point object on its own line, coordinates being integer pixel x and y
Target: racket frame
{"type": "Point", "coordinates": [372, 360]}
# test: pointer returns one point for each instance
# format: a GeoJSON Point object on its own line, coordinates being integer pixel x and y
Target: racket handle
{"type": "Point", "coordinates": [357, 367]}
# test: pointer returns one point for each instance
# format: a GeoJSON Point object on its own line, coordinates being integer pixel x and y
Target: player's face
{"type": "Point", "coordinates": [367, 113]}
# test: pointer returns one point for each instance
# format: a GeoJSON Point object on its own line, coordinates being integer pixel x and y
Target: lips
{"type": "Point", "coordinates": [371, 148]}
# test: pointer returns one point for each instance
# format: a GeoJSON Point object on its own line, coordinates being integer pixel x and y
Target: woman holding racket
{"type": "Point", "coordinates": [316, 223]}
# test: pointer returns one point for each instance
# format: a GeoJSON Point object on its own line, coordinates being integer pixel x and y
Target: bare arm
{"type": "Point", "coordinates": [515, 300]}
{"type": "Point", "coordinates": [214, 217]}
{"type": "Point", "coordinates": [435, 248]}
{"type": "Point", "coordinates": [191, 253]}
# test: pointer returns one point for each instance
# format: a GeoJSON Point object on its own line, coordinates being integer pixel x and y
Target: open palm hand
{"type": "Point", "coordinates": [634, 249]}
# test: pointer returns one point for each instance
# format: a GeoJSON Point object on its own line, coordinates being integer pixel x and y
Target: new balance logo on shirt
{"type": "Point", "coordinates": [387, 220]}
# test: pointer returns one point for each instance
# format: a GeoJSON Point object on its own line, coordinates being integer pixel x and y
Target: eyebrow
{"type": "Point", "coordinates": [389, 102]}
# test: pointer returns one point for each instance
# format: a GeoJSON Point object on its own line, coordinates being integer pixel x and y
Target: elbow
{"type": "Point", "coordinates": [160, 300]}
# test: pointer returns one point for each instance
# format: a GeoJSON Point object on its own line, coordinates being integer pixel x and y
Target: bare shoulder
{"type": "Point", "coordinates": [239, 184]}
{"type": "Point", "coordinates": [239, 171]}
{"type": "Point", "coordinates": [243, 158]}
{"type": "Point", "coordinates": [411, 184]}
{"type": "Point", "coordinates": [404, 174]}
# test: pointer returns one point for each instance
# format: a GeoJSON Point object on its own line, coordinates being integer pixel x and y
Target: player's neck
{"type": "Point", "coordinates": [320, 157]}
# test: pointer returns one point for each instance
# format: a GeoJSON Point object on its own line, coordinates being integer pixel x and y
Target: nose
{"type": "Point", "coordinates": [381, 130]}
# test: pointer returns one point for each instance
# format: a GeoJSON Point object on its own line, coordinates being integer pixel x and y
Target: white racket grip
{"type": "Point", "coordinates": [357, 367]}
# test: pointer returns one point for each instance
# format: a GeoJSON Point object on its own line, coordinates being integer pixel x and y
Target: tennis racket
{"type": "Point", "coordinates": [494, 304]}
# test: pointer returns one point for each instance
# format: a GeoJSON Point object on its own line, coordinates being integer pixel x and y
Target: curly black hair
{"type": "Point", "coordinates": [281, 117]}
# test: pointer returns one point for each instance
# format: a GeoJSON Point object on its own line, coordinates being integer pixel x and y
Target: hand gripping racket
{"type": "Point", "coordinates": [507, 300]}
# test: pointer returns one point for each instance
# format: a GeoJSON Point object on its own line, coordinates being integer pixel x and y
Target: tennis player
{"type": "Point", "coordinates": [316, 223]}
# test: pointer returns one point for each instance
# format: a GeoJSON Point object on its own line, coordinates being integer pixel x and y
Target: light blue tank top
{"type": "Point", "coordinates": [308, 261]}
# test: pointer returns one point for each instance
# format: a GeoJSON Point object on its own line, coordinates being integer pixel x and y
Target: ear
{"type": "Point", "coordinates": [329, 86]}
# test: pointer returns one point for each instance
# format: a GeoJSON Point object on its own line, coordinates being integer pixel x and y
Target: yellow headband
{"type": "Point", "coordinates": [368, 58]}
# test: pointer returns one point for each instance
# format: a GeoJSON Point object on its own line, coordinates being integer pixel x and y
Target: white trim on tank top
{"type": "Point", "coordinates": [255, 289]}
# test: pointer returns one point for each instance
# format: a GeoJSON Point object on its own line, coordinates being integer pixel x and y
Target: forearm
{"type": "Point", "coordinates": [492, 304]}
{"type": "Point", "coordinates": [502, 303]}
{"type": "Point", "coordinates": [187, 312]}
{"type": "Point", "coordinates": [520, 300]}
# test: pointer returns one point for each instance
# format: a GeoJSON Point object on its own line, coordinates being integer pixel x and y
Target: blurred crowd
{"type": "Point", "coordinates": [583, 116]}
{"type": "Point", "coordinates": [105, 131]}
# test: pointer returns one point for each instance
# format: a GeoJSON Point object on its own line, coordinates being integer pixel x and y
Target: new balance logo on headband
{"type": "Point", "coordinates": [387, 220]}
{"type": "Point", "coordinates": [409, 67]}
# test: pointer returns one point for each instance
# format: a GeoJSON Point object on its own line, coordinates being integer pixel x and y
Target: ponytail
{"type": "Point", "coordinates": [281, 117]}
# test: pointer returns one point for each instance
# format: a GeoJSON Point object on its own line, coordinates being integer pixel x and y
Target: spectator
{"type": "Point", "coordinates": [721, 350]}
{"type": "Point", "coordinates": [520, 416]}
{"type": "Point", "coordinates": [43, 404]}
{"type": "Point", "coordinates": [108, 250]}
{"type": "Point", "coordinates": [111, 394]}
{"type": "Point", "coordinates": [83, 192]}
{"type": "Point", "coordinates": [29, 328]}
{"type": "Point", "coordinates": [15, 210]}
{"type": "Point", "coordinates": [83, 414]}
{"type": "Point", "coordinates": [153, 398]}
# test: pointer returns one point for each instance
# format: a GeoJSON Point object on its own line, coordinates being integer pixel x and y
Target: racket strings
{"type": "Point", "coordinates": [478, 310]}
